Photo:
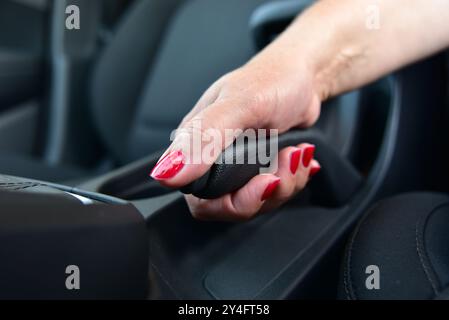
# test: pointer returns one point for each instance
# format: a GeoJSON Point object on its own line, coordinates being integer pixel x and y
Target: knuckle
{"type": "Point", "coordinates": [301, 182]}
{"type": "Point", "coordinates": [242, 212]}
{"type": "Point", "coordinates": [197, 211]}
{"type": "Point", "coordinates": [198, 215]}
{"type": "Point", "coordinates": [259, 104]}
{"type": "Point", "coordinates": [311, 114]}
{"type": "Point", "coordinates": [197, 126]}
{"type": "Point", "coordinates": [286, 192]}
{"type": "Point", "coordinates": [245, 215]}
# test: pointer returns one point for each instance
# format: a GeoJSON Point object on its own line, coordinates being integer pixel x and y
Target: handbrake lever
{"type": "Point", "coordinates": [333, 186]}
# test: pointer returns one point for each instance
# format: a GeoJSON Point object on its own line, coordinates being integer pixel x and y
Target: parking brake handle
{"type": "Point", "coordinates": [332, 186]}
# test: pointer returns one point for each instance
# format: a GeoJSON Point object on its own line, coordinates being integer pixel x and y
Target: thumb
{"type": "Point", "coordinates": [200, 140]}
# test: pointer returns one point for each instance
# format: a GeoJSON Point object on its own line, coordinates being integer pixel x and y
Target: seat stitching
{"type": "Point", "coordinates": [423, 257]}
{"type": "Point", "coordinates": [347, 278]}
{"type": "Point", "coordinates": [347, 281]}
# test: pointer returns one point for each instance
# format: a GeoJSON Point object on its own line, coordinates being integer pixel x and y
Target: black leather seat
{"type": "Point", "coordinates": [406, 238]}
{"type": "Point", "coordinates": [162, 57]}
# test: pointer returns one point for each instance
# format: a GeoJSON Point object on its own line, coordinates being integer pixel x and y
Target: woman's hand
{"type": "Point", "coordinates": [328, 50]}
{"type": "Point", "coordinates": [262, 94]}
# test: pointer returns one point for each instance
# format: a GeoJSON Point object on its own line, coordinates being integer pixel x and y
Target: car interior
{"type": "Point", "coordinates": [85, 114]}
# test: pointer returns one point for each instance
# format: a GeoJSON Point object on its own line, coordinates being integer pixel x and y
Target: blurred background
{"type": "Point", "coordinates": [46, 123]}
{"type": "Point", "coordinates": [76, 103]}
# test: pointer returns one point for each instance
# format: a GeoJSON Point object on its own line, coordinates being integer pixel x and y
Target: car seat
{"type": "Point", "coordinates": [405, 238]}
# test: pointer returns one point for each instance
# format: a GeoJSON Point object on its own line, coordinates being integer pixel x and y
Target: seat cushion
{"type": "Point", "coordinates": [21, 166]}
{"type": "Point", "coordinates": [407, 238]}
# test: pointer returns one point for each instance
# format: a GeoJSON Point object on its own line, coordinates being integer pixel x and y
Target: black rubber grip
{"type": "Point", "coordinates": [334, 185]}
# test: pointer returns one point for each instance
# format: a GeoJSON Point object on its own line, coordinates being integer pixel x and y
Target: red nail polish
{"type": "Point", "coordinates": [169, 166]}
{"type": "Point", "coordinates": [309, 152]}
{"type": "Point", "coordinates": [314, 170]}
{"type": "Point", "coordinates": [270, 189]}
{"type": "Point", "coordinates": [294, 160]}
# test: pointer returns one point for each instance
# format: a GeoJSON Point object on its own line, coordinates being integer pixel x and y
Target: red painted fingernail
{"type": "Point", "coordinates": [294, 160]}
{"type": "Point", "coordinates": [270, 189]}
{"type": "Point", "coordinates": [168, 166]}
{"type": "Point", "coordinates": [314, 170]}
{"type": "Point", "coordinates": [309, 152]}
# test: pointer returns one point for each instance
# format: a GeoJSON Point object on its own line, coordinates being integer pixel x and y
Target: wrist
{"type": "Point", "coordinates": [332, 53]}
